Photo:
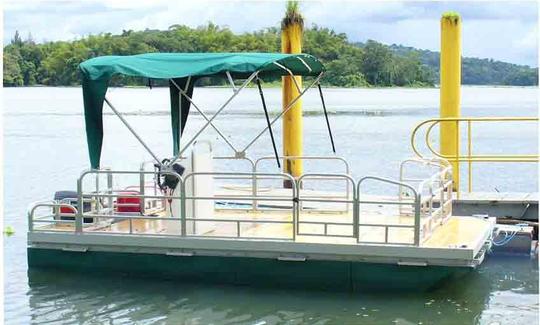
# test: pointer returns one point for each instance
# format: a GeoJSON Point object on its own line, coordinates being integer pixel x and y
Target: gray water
{"type": "Point", "coordinates": [45, 151]}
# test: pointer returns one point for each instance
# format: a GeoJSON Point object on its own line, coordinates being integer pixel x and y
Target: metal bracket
{"type": "Point", "coordinates": [79, 249]}
{"type": "Point", "coordinates": [292, 258]}
{"type": "Point", "coordinates": [411, 263]}
{"type": "Point", "coordinates": [179, 253]}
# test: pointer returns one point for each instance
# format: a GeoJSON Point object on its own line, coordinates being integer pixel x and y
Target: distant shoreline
{"type": "Point", "coordinates": [277, 86]}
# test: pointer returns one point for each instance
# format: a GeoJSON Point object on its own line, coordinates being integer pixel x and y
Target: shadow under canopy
{"type": "Point", "coordinates": [184, 69]}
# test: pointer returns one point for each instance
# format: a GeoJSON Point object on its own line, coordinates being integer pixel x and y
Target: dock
{"type": "Point", "coordinates": [503, 205]}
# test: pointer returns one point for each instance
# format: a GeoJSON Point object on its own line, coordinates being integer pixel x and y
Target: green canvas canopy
{"type": "Point", "coordinates": [184, 69]}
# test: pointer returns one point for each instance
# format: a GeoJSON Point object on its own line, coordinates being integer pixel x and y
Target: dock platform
{"type": "Point", "coordinates": [518, 206]}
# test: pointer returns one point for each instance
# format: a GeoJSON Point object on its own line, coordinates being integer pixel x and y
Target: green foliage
{"type": "Point", "coordinates": [522, 77]}
{"type": "Point", "coordinates": [475, 71]}
{"type": "Point", "coordinates": [377, 64]}
{"type": "Point", "coordinates": [12, 69]}
{"type": "Point", "coordinates": [348, 65]}
{"type": "Point", "coordinates": [453, 16]}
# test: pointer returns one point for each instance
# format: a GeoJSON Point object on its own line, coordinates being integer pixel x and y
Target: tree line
{"type": "Point", "coordinates": [348, 64]}
{"type": "Point", "coordinates": [475, 71]}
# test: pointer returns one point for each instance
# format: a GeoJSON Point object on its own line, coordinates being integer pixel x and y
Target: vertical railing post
{"type": "Point", "coordinates": [80, 205]}
{"type": "Point", "coordinates": [469, 154]}
{"type": "Point", "coordinates": [31, 220]}
{"type": "Point", "coordinates": [295, 207]}
{"type": "Point", "coordinates": [417, 219]}
{"type": "Point", "coordinates": [96, 198]}
{"type": "Point", "coordinates": [430, 202]}
{"type": "Point", "coordinates": [110, 191]}
{"type": "Point", "coordinates": [457, 158]}
{"type": "Point", "coordinates": [400, 187]}
{"type": "Point", "coordinates": [141, 189]}
{"type": "Point", "coordinates": [57, 211]}
{"type": "Point", "coordinates": [254, 186]}
{"type": "Point", "coordinates": [356, 213]}
{"type": "Point", "coordinates": [442, 183]}
{"type": "Point", "coordinates": [449, 195]}
{"type": "Point", "coordinates": [183, 207]}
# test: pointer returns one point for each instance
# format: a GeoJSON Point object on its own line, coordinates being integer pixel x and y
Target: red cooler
{"type": "Point", "coordinates": [128, 204]}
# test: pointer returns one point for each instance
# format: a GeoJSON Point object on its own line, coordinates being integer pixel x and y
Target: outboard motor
{"type": "Point", "coordinates": [167, 181]}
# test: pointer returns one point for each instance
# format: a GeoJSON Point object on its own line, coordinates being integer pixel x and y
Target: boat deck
{"type": "Point", "coordinates": [276, 230]}
{"type": "Point", "coordinates": [458, 231]}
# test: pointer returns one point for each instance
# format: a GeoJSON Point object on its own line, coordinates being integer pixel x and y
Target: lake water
{"type": "Point", "coordinates": [45, 151]}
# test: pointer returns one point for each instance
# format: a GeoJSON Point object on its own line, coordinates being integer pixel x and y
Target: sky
{"type": "Point", "coordinates": [502, 30]}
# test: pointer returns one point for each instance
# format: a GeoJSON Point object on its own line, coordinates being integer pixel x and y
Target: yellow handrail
{"type": "Point", "coordinates": [469, 157]}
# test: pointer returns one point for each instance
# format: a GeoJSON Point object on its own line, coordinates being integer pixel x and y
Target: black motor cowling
{"type": "Point", "coordinates": [165, 180]}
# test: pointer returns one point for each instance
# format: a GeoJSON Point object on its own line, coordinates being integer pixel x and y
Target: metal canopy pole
{"type": "Point", "coordinates": [268, 120]}
{"type": "Point", "coordinates": [326, 116]}
{"type": "Point", "coordinates": [284, 111]}
{"type": "Point", "coordinates": [231, 81]}
{"type": "Point", "coordinates": [246, 82]}
{"type": "Point", "coordinates": [291, 74]}
{"type": "Point", "coordinates": [183, 93]}
{"type": "Point", "coordinates": [305, 64]}
{"type": "Point", "coordinates": [131, 130]}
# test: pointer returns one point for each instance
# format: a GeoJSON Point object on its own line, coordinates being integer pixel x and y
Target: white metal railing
{"type": "Point", "coordinates": [346, 170]}
{"type": "Point", "coordinates": [414, 201]}
{"type": "Point", "coordinates": [323, 198]}
{"type": "Point", "coordinates": [429, 201]}
{"type": "Point", "coordinates": [435, 191]}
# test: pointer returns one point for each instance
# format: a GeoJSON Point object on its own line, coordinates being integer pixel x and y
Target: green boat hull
{"type": "Point", "coordinates": [309, 274]}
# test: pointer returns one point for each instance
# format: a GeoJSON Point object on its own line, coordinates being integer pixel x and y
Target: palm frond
{"type": "Point", "coordinates": [292, 15]}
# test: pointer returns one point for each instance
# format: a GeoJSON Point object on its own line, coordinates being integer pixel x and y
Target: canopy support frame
{"type": "Point", "coordinates": [284, 111]}
{"type": "Point", "coordinates": [254, 75]}
{"type": "Point", "coordinates": [131, 130]}
{"type": "Point", "coordinates": [290, 74]}
{"type": "Point", "coordinates": [244, 85]}
{"type": "Point", "coordinates": [184, 93]}
{"type": "Point", "coordinates": [268, 121]}
{"type": "Point", "coordinates": [231, 81]}
{"type": "Point", "coordinates": [326, 117]}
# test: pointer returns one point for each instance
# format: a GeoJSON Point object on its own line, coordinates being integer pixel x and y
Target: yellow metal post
{"type": "Point", "coordinates": [450, 73]}
{"type": "Point", "coordinates": [291, 42]}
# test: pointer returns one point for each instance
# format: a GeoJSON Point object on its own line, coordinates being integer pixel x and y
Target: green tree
{"type": "Point", "coordinates": [16, 40]}
{"type": "Point", "coordinates": [12, 70]}
{"type": "Point", "coordinates": [348, 64]}
{"type": "Point", "coordinates": [377, 64]}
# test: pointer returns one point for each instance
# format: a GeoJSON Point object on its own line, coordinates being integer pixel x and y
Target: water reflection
{"type": "Point", "coordinates": [482, 296]}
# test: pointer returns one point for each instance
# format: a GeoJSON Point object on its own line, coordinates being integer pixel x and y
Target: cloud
{"type": "Point", "coordinates": [503, 30]}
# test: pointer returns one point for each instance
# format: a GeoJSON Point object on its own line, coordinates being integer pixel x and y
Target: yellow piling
{"type": "Point", "coordinates": [291, 42]}
{"type": "Point", "coordinates": [450, 89]}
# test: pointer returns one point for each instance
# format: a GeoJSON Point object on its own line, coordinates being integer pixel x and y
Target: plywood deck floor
{"type": "Point", "coordinates": [456, 232]}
